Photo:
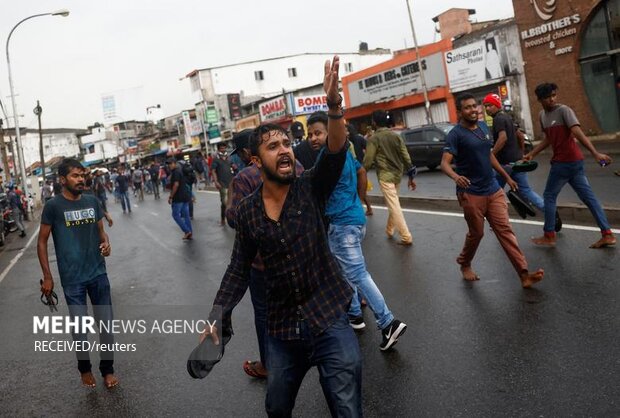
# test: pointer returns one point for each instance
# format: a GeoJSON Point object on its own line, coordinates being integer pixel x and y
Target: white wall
{"type": "Point", "coordinates": [55, 145]}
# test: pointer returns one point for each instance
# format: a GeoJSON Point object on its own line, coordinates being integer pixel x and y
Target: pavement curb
{"type": "Point", "coordinates": [570, 213]}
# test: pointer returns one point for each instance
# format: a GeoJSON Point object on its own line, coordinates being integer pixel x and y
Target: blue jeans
{"type": "Point", "coordinates": [180, 214]}
{"type": "Point", "coordinates": [573, 174]}
{"type": "Point", "coordinates": [125, 204]}
{"type": "Point", "coordinates": [345, 243]}
{"type": "Point", "coordinates": [98, 290]}
{"type": "Point", "coordinates": [258, 294]}
{"type": "Point", "coordinates": [524, 188]}
{"type": "Point", "coordinates": [336, 354]}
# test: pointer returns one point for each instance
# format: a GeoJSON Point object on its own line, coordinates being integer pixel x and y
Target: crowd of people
{"type": "Point", "coordinates": [297, 206]}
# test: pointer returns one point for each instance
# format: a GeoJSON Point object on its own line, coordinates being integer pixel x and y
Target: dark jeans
{"type": "Point", "coordinates": [336, 354]}
{"type": "Point", "coordinates": [125, 204]}
{"type": "Point", "coordinates": [156, 188]}
{"type": "Point", "coordinates": [98, 290]}
{"type": "Point", "coordinates": [259, 301]}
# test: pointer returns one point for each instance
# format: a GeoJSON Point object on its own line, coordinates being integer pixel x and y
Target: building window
{"type": "Point", "coordinates": [258, 75]}
{"type": "Point", "coordinates": [600, 65]}
{"type": "Point", "coordinates": [292, 72]}
{"type": "Point", "coordinates": [348, 67]}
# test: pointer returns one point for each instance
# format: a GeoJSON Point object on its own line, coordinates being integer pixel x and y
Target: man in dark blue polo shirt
{"type": "Point", "coordinates": [469, 145]}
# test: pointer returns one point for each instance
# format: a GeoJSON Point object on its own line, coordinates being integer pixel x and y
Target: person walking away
{"type": "Point", "coordinates": [222, 171]}
{"type": "Point", "coordinates": [99, 190]}
{"type": "Point", "coordinates": [469, 146]}
{"type": "Point", "coordinates": [154, 171]}
{"type": "Point", "coordinates": [122, 186]}
{"type": "Point", "coordinates": [81, 243]}
{"type": "Point", "coordinates": [560, 128]}
{"type": "Point", "coordinates": [387, 152]}
{"type": "Point", "coordinates": [46, 191]}
{"type": "Point", "coordinates": [179, 199]}
{"type": "Point", "coordinates": [17, 210]}
{"type": "Point", "coordinates": [138, 182]}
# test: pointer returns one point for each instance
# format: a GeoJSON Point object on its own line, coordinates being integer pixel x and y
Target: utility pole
{"type": "Point", "coordinates": [427, 103]}
{"type": "Point", "coordinates": [37, 111]}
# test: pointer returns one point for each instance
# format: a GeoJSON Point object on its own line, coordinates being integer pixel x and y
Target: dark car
{"type": "Point", "coordinates": [425, 143]}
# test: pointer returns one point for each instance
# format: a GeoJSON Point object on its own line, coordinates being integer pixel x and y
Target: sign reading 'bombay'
{"type": "Point", "coordinates": [273, 109]}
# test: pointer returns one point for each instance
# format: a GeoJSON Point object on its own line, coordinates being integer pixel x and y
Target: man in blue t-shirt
{"type": "Point", "coordinates": [75, 222]}
{"type": "Point", "coordinates": [347, 228]}
{"type": "Point", "coordinates": [469, 146]}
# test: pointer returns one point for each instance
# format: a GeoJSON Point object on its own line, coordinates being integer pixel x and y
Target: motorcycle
{"type": "Point", "coordinates": [8, 224]}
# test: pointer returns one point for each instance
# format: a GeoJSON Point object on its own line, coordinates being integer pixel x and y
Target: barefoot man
{"type": "Point", "coordinates": [75, 222]}
{"type": "Point", "coordinates": [469, 145]}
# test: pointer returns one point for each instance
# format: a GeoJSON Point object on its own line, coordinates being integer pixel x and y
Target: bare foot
{"type": "Point", "coordinates": [369, 212]}
{"type": "Point", "coordinates": [544, 241]}
{"type": "Point", "coordinates": [405, 243]}
{"type": "Point", "coordinates": [606, 241]}
{"type": "Point", "coordinates": [528, 279]}
{"type": "Point", "coordinates": [110, 381]}
{"type": "Point", "coordinates": [88, 380]}
{"type": "Point", "coordinates": [469, 274]}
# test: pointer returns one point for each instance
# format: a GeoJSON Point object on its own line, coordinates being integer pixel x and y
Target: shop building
{"type": "Point", "coordinates": [575, 44]}
{"type": "Point", "coordinates": [395, 85]}
{"type": "Point", "coordinates": [486, 58]}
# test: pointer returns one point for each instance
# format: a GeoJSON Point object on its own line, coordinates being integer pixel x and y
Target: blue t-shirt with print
{"type": "Point", "coordinates": [344, 206]}
{"type": "Point", "coordinates": [76, 237]}
{"type": "Point", "coordinates": [472, 155]}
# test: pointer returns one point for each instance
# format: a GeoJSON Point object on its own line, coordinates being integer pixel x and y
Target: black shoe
{"type": "Point", "coordinates": [357, 322]}
{"type": "Point", "coordinates": [558, 222]}
{"type": "Point", "coordinates": [23, 234]}
{"type": "Point", "coordinates": [391, 333]}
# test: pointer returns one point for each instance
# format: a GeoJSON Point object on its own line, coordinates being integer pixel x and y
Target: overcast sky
{"type": "Point", "coordinates": [69, 62]}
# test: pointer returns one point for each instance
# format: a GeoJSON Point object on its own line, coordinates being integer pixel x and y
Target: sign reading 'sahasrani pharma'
{"type": "Point", "coordinates": [397, 81]}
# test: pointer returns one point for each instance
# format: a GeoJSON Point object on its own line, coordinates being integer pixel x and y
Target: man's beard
{"type": "Point", "coordinates": [74, 192]}
{"type": "Point", "coordinates": [275, 177]}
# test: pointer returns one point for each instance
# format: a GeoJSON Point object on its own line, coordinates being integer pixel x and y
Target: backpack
{"type": "Point", "coordinates": [188, 173]}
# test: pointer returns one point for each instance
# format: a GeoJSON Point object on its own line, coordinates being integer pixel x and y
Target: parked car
{"type": "Point", "coordinates": [425, 143]}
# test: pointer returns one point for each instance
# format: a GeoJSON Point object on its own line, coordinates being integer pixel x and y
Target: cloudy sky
{"type": "Point", "coordinates": [102, 46]}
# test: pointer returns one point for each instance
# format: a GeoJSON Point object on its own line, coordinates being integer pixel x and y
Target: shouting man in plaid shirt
{"type": "Point", "coordinates": [307, 297]}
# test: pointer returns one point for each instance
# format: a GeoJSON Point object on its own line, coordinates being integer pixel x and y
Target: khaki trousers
{"type": "Point", "coordinates": [396, 220]}
{"type": "Point", "coordinates": [495, 210]}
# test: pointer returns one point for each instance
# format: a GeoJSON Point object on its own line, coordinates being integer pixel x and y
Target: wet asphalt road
{"type": "Point", "coordinates": [435, 184]}
{"type": "Point", "coordinates": [483, 349]}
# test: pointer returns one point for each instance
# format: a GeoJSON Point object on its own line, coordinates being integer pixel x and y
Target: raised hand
{"type": "Point", "coordinates": [331, 79]}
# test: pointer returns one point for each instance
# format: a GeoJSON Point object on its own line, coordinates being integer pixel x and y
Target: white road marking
{"type": "Point", "coordinates": [15, 259]}
{"type": "Point", "coordinates": [154, 213]}
{"type": "Point", "coordinates": [460, 215]}
{"type": "Point", "coordinates": [515, 221]}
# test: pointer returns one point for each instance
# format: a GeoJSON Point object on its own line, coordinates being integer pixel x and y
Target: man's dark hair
{"type": "Point", "coordinates": [67, 165]}
{"type": "Point", "coordinates": [381, 118]}
{"type": "Point", "coordinates": [257, 135]}
{"type": "Point", "coordinates": [351, 129]}
{"type": "Point", "coordinates": [461, 98]}
{"type": "Point", "coordinates": [545, 90]}
{"type": "Point", "coordinates": [316, 117]}
{"type": "Point", "coordinates": [221, 144]}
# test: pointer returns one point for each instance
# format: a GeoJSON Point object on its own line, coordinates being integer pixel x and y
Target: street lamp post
{"type": "Point", "coordinates": [427, 103]}
{"type": "Point", "coordinates": [20, 150]}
